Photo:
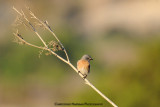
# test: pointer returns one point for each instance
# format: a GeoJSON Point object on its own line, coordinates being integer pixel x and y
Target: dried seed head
{"type": "Point", "coordinates": [18, 38]}
{"type": "Point", "coordinates": [48, 53]}
{"type": "Point", "coordinates": [18, 21]}
{"type": "Point", "coordinates": [54, 46]}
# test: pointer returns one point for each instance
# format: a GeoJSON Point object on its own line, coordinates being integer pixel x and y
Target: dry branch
{"type": "Point", "coordinates": [51, 49]}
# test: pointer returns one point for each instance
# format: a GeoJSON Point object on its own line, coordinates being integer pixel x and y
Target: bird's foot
{"type": "Point", "coordinates": [84, 75]}
{"type": "Point", "coordinates": [79, 72]}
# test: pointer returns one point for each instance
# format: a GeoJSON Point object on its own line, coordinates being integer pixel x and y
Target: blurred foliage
{"type": "Point", "coordinates": [126, 65]}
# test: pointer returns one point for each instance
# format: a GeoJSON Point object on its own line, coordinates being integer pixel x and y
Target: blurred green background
{"type": "Point", "coordinates": [122, 36]}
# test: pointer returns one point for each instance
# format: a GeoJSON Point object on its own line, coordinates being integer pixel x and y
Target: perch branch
{"type": "Point", "coordinates": [67, 61]}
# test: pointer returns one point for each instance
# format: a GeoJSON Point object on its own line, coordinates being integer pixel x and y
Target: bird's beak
{"type": "Point", "coordinates": [91, 59]}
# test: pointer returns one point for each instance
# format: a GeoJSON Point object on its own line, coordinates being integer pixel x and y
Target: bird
{"type": "Point", "coordinates": [83, 65]}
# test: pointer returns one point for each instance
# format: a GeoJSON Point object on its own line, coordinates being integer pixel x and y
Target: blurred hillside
{"type": "Point", "coordinates": [122, 36]}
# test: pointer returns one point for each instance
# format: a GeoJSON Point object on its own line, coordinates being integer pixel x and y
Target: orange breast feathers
{"type": "Point", "coordinates": [83, 64]}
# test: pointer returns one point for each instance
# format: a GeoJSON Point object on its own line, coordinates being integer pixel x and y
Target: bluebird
{"type": "Point", "coordinates": [83, 65]}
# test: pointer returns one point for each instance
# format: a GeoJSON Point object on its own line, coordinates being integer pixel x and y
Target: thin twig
{"type": "Point", "coordinates": [22, 14]}
{"type": "Point", "coordinates": [46, 25]}
{"type": "Point", "coordinates": [27, 43]}
{"type": "Point", "coordinates": [106, 98]}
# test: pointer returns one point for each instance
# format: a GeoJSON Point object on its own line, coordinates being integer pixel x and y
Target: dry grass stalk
{"type": "Point", "coordinates": [51, 47]}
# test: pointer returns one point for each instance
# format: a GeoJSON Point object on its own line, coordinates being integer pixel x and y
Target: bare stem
{"type": "Point", "coordinates": [27, 43]}
{"type": "Point", "coordinates": [100, 93]}
{"type": "Point", "coordinates": [67, 61]}
{"type": "Point", "coordinates": [46, 25]}
{"type": "Point", "coordinates": [22, 14]}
